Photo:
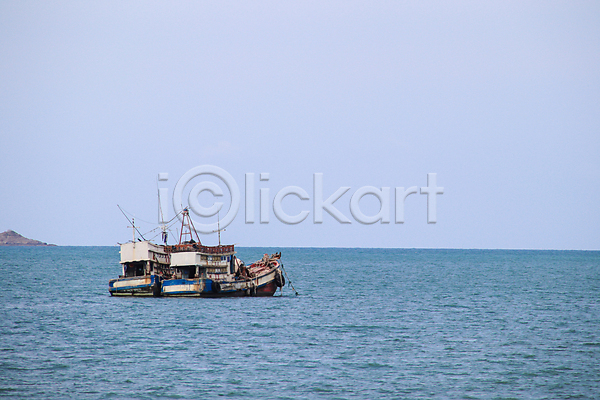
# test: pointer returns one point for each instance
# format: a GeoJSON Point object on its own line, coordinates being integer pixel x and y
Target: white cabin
{"type": "Point", "coordinates": [143, 251]}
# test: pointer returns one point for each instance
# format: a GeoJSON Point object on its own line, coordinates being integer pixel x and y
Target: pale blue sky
{"type": "Point", "coordinates": [501, 100]}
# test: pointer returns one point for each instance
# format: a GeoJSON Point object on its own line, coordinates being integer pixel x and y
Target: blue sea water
{"type": "Point", "coordinates": [367, 323]}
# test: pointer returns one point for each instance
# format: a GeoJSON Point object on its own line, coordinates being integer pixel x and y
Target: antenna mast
{"type": "Point", "coordinates": [163, 227]}
{"type": "Point", "coordinates": [132, 224]}
{"type": "Point", "coordinates": [219, 227]}
{"type": "Point", "coordinates": [133, 229]}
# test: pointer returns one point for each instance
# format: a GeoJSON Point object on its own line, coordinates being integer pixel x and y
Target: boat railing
{"type": "Point", "coordinates": [176, 248]}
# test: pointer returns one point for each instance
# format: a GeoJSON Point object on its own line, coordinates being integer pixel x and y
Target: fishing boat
{"type": "Point", "coordinates": [191, 269]}
{"type": "Point", "coordinates": [215, 271]}
{"type": "Point", "coordinates": [143, 266]}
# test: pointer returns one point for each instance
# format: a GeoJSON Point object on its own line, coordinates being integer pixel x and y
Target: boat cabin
{"type": "Point", "coordinates": [143, 258]}
{"type": "Point", "coordinates": [199, 261]}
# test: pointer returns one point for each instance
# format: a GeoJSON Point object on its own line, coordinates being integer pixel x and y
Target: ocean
{"type": "Point", "coordinates": [366, 324]}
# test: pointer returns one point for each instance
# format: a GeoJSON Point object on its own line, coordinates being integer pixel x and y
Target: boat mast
{"type": "Point", "coordinates": [189, 225]}
{"type": "Point", "coordinates": [163, 227]}
{"type": "Point", "coordinates": [132, 224]}
{"type": "Point", "coordinates": [219, 228]}
{"type": "Point", "coordinates": [132, 229]}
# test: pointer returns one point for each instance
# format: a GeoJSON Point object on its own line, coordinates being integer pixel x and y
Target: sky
{"type": "Point", "coordinates": [500, 100]}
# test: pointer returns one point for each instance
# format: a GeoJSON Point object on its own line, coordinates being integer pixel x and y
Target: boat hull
{"type": "Point", "coordinates": [183, 287]}
{"type": "Point", "coordinates": [266, 290]}
{"type": "Point", "coordinates": [261, 286]}
{"type": "Point", "coordinates": [146, 286]}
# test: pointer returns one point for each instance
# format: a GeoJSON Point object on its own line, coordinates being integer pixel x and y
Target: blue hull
{"type": "Point", "coordinates": [148, 285]}
{"type": "Point", "coordinates": [210, 288]}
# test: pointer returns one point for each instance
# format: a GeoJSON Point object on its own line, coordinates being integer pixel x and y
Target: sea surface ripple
{"type": "Point", "coordinates": [367, 323]}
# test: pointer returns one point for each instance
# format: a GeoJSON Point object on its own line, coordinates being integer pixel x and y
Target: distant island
{"type": "Point", "coordinates": [12, 238]}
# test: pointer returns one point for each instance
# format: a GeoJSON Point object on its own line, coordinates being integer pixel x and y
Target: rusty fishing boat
{"type": "Point", "coordinates": [191, 269]}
